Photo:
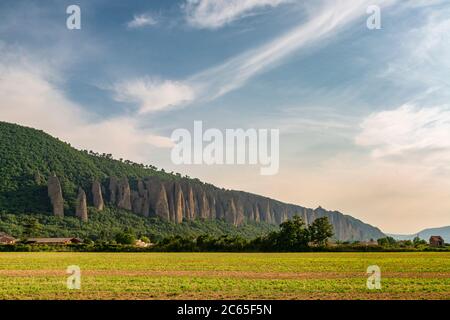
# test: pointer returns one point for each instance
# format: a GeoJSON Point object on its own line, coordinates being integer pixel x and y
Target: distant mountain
{"type": "Point", "coordinates": [444, 232]}
{"type": "Point", "coordinates": [40, 174]}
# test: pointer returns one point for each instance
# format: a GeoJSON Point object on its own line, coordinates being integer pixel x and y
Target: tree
{"type": "Point", "coordinates": [408, 243]}
{"type": "Point", "coordinates": [32, 227]}
{"type": "Point", "coordinates": [387, 241]}
{"type": "Point", "coordinates": [88, 241]}
{"type": "Point", "coordinates": [320, 231]}
{"type": "Point", "coordinates": [125, 238]}
{"type": "Point", "coordinates": [417, 242]}
{"type": "Point", "coordinates": [293, 236]}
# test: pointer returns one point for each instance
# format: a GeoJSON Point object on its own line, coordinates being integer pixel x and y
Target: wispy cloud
{"type": "Point", "coordinates": [331, 17]}
{"type": "Point", "coordinates": [409, 132]}
{"type": "Point", "coordinates": [325, 20]}
{"type": "Point", "coordinates": [214, 14]}
{"type": "Point", "coordinates": [422, 54]}
{"type": "Point", "coordinates": [142, 20]}
{"type": "Point", "coordinates": [153, 95]}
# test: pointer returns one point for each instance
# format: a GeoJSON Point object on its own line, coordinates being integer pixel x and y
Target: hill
{"type": "Point", "coordinates": [425, 234]}
{"type": "Point", "coordinates": [31, 157]}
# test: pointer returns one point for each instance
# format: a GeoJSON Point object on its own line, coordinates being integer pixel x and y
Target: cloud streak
{"type": "Point", "coordinates": [408, 131]}
{"type": "Point", "coordinates": [214, 14]}
{"type": "Point", "coordinates": [153, 95]}
{"type": "Point", "coordinates": [142, 20]}
{"type": "Point", "coordinates": [328, 20]}
{"type": "Point", "coordinates": [212, 83]}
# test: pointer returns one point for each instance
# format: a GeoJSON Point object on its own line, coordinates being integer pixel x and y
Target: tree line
{"type": "Point", "coordinates": [293, 235]}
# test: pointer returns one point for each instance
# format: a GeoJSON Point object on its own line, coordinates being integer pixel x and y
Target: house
{"type": "Point", "coordinates": [53, 241]}
{"type": "Point", "coordinates": [6, 239]}
{"type": "Point", "coordinates": [436, 241]}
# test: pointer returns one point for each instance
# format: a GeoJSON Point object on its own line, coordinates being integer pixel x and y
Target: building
{"type": "Point", "coordinates": [436, 241]}
{"type": "Point", "coordinates": [6, 239]}
{"type": "Point", "coordinates": [53, 241]}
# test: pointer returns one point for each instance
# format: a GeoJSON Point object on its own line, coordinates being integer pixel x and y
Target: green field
{"type": "Point", "coordinates": [224, 275]}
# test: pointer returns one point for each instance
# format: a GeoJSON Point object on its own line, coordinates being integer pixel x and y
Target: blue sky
{"type": "Point", "coordinates": [363, 114]}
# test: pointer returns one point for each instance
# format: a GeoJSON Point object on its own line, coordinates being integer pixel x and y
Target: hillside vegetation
{"type": "Point", "coordinates": [105, 225]}
{"type": "Point", "coordinates": [30, 156]}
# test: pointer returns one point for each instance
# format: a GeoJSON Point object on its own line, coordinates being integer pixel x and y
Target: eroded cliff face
{"type": "Point", "coordinates": [124, 194]}
{"type": "Point", "coordinates": [183, 199]}
{"type": "Point", "coordinates": [81, 209]}
{"type": "Point", "coordinates": [97, 196]}
{"type": "Point", "coordinates": [55, 195]}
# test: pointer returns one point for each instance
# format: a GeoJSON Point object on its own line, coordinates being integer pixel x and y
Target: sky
{"type": "Point", "coordinates": [363, 114]}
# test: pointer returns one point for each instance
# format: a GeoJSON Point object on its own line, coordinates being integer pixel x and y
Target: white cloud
{"type": "Point", "coordinates": [142, 20]}
{"type": "Point", "coordinates": [153, 95]}
{"type": "Point", "coordinates": [213, 14]}
{"type": "Point", "coordinates": [30, 99]}
{"type": "Point", "coordinates": [233, 74]}
{"type": "Point", "coordinates": [325, 20]}
{"type": "Point", "coordinates": [431, 43]}
{"type": "Point", "coordinates": [409, 133]}
{"type": "Point", "coordinates": [421, 64]}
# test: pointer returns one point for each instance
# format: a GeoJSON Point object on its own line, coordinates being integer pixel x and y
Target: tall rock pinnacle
{"type": "Point", "coordinates": [55, 194]}
{"type": "Point", "coordinates": [81, 209]}
{"type": "Point", "coordinates": [97, 196]}
{"type": "Point", "coordinates": [124, 194]}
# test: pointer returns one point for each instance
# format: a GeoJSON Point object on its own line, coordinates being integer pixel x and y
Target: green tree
{"type": "Point", "coordinates": [387, 242]}
{"type": "Point", "coordinates": [417, 242]}
{"type": "Point", "coordinates": [125, 238]}
{"type": "Point", "coordinates": [88, 241]}
{"type": "Point", "coordinates": [293, 236]}
{"type": "Point", "coordinates": [32, 227]}
{"type": "Point", "coordinates": [320, 231]}
{"type": "Point", "coordinates": [408, 243]}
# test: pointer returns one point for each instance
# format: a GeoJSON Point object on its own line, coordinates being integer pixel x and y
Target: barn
{"type": "Point", "coordinates": [6, 238]}
{"type": "Point", "coordinates": [436, 241]}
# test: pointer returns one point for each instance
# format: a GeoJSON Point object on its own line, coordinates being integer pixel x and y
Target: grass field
{"type": "Point", "coordinates": [224, 275]}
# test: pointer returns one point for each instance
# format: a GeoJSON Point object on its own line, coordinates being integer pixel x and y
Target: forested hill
{"type": "Point", "coordinates": [30, 157]}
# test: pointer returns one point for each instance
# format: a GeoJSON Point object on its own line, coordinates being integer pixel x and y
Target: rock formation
{"type": "Point", "coordinates": [256, 213]}
{"type": "Point", "coordinates": [113, 189]}
{"type": "Point", "coordinates": [55, 194]}
{"type": "Point", "coordinates": [141, 188]}
{"type": "Point", "coordinates": [178, 200]}
{"type": "Point", "coordinates": [159, 205]}
{"type": "Point", "coordinates": [203, 207]}
{"type": "Point", "coordinates": [189, 205]}
{"type": "Point", "coordinates": [124, 194]}
{"type": "Point", "coordinates": [146, 204]}
{"type": "Point", "coordinates": [97, 197]}
{"type": "Point", "coordinates": [81, 208]}
{"type": "Point", "coordinates": [136, 202]}
{"type": "Point", "coordinates": [230, 211]}
{"type": "Point", "coordinates": [179, 207]}
{"type": "Point", "coordinates": [169, 197]}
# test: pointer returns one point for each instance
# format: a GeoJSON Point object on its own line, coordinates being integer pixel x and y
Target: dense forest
{"type": "Point", "coordinates": [29, 156]}
{"type": "Point", "coordinates": [105, 225]}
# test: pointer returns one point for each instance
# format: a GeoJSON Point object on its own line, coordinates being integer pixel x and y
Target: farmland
{"type": "Point", "coordinates": [42, 275]}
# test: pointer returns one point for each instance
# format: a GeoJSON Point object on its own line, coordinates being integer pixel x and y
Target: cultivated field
{"type": "Point", "coordinates": [224, 275]}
